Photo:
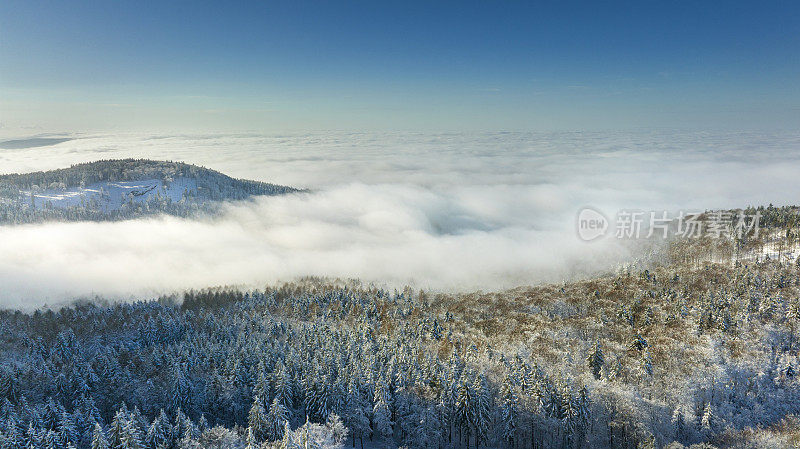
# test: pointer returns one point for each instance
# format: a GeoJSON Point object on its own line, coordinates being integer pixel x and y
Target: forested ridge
{"type": "Point", "coordinates": [209, 187]}
{"type": "Point", "coordinates": [676, 355]}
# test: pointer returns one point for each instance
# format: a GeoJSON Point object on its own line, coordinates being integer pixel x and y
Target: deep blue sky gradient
{"type": "Point", "coordinates": [277, 66]}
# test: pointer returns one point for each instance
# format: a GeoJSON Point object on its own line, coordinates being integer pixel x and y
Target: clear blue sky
{"type": "Point", "coordinates": [280, 66]}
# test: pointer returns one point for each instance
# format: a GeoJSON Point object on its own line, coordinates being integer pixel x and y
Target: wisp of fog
{"type": "Point", "coordinates": [435, 211]}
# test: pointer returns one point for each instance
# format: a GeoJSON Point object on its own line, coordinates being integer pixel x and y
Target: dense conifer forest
{"type": "Point", "coordinates": [689, 353]}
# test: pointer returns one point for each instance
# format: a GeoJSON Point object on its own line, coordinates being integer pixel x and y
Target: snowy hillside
{"type": "Point", "coordinates": [121, 189]}
{"type": "Point", "coordinates": [111, 196]}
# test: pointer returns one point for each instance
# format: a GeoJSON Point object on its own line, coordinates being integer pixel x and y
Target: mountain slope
{"type": "Point", "coordinates": [121, 189]}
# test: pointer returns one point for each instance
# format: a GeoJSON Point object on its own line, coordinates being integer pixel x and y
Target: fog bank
{"type": "Point", "coordinates": [448, 212]}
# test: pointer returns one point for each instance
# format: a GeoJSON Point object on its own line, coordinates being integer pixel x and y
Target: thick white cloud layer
{"type": "Point", "coordinates": [435, 211]}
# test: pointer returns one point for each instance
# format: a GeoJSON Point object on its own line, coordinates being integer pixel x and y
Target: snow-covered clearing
{"type": "Point", "coordinates": [111, 196]}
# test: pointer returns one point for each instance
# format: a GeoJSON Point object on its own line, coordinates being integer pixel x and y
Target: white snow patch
{"type": "Point", "coordinates": [110, 196]}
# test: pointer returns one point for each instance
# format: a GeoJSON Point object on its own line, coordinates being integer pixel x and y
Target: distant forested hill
{"type": "Point", "coordinates": [121, 189]}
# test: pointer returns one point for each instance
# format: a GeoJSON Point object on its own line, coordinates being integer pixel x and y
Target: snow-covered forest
{"type": "Point", "coordinates": [681, 354]}
{"type": "Point", "coordinates": [121, 189]}
{"type": "Point", "coordinates": [399, 225]}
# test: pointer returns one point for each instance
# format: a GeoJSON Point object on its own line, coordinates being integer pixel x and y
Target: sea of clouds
{"type": "Point", "coordinates": [435, 211]}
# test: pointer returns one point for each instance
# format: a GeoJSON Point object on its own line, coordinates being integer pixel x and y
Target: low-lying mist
{"type": "Point", "coordinates": [447, 212]}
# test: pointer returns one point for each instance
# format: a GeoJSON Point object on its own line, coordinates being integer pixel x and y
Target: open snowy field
{"type": "Point", "coordinates": [110, 196]}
